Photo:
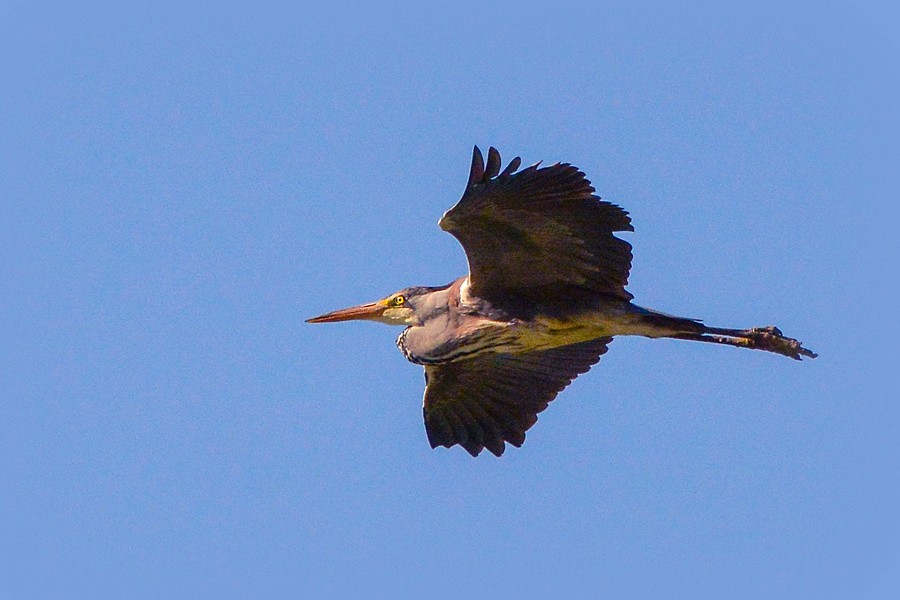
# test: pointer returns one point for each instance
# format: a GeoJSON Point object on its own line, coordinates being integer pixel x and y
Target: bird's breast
{"type": "Point", "coordinates": [428, 346]}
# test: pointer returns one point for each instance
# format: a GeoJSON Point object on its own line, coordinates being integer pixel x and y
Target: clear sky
{"type": "Point", "coordinates": [181, 186]}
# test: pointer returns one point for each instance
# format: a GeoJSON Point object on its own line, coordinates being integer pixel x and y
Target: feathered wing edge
{"type": "Point", "coordinates": [494, 399]}
{"type": "Point", "coordinates": [529, 233]}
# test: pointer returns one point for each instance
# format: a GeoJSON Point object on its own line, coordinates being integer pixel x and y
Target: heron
{"type": "Point", "coordinates": [543, 299]}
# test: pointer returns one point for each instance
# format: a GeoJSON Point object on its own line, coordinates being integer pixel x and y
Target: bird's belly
{"type": "Point", "coordinates": [544, 334]}
{"type": "Point", "coordinates": [515, 336]}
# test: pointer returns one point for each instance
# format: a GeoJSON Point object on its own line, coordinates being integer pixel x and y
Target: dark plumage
{"type": "Point", "coordinates": [496, 397]}
{"type": "Point", "coordinates": [539, 234]}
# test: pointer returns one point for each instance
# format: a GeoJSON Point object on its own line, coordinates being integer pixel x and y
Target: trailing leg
{"type": "Point", "coordinates": [769, 339]}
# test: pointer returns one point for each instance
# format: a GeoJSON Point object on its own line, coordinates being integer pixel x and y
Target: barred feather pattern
{"type": "Point", "coordinates": [489, 339]}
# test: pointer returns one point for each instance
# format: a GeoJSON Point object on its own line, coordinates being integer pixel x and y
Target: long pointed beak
{"type": "Point", "coordinates": [362, 312]}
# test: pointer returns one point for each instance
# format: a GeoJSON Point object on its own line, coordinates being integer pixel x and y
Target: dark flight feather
{"type": "Point", "coordinates": [539, 235]}
{"type": "Point", "coordinates": [495, 398]}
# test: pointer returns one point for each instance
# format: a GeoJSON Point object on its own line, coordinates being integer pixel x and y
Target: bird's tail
{"type": "Point", "coordinates": [768, 338]}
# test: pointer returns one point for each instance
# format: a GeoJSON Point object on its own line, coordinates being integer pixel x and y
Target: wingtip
{"type": "Point", "coordinates": [493, 164]}
{"type": "Point", "coordinates": [497, 449]}
{"type": "Point", "coordinates": [511, 167]}
{"type": "Point", "coordinates": [473, 452]}
{"type": "Point", "coordinates": [476, 174]}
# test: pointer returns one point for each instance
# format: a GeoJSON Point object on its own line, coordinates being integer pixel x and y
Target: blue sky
{"type": "Point", "coordinates": [183, 185]}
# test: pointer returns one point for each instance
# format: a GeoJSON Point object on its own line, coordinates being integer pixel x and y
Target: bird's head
{"type": "Point", "coordinates": [408, 307]}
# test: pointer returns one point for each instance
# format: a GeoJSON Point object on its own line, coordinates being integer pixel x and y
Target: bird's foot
{"type": "Point", "coordinates": [772, 340]}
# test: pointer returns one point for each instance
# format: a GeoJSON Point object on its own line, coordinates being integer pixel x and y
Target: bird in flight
{"type": "Point", "coordinates": [544, 297]}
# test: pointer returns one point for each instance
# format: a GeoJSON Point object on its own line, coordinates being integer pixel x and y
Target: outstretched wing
{"type": "Point", "coordinates": [538, 234]}
{"type": "Point", "coordinates": [495, 398]}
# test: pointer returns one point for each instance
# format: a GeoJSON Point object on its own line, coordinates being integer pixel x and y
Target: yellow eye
{"type": "Point", "coordinates": [399, 300]}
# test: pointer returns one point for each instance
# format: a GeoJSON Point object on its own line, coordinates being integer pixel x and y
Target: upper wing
{"type": "Point", "coordinates": [495, 398]}
{"type": "Point", "coordinates": [537, 233]}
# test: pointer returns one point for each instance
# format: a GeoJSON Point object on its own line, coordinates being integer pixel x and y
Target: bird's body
{"type": "Point", "coordinates": [458, 327]}
{"type": "Point", "coordinates": [542, 301]}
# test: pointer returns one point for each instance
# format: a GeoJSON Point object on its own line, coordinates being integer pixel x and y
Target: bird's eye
{"type": "Point", "coordinates": [399, 300]}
